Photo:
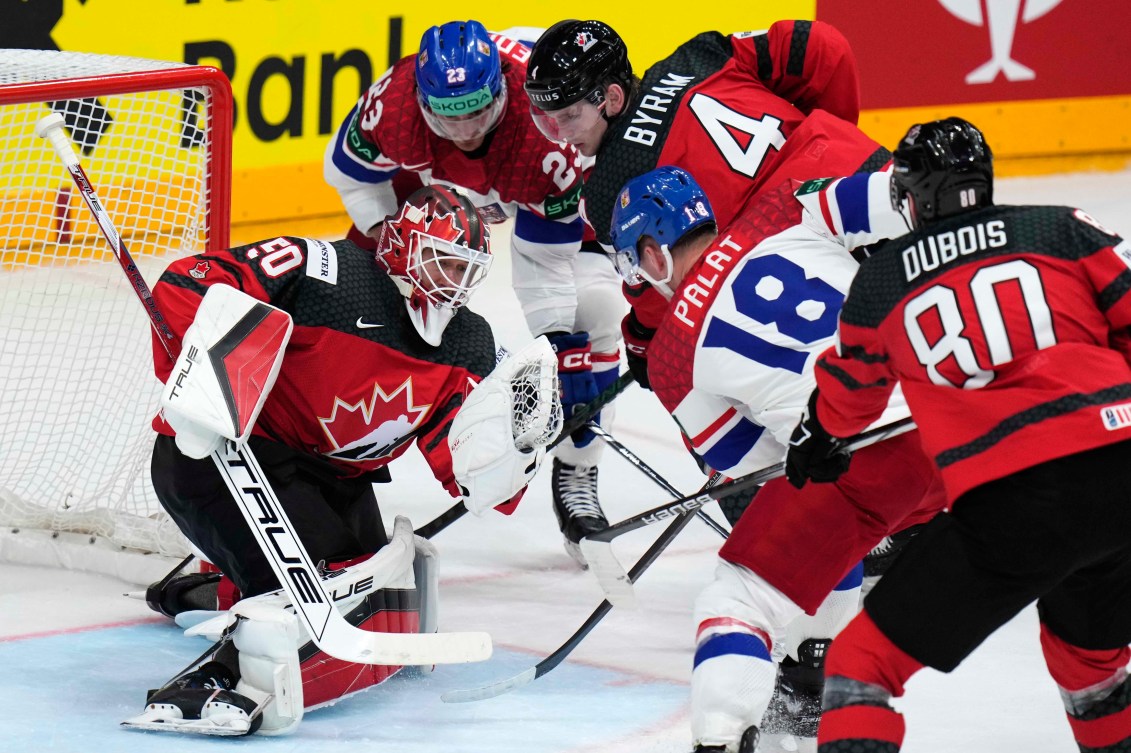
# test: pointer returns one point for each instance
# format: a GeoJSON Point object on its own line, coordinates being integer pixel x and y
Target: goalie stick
{"type": "Point", "coordinates": [597, 547]}
{"type": "Point", "coordinates": [260, 507]}
{"type": "Point", "coordinates": [575, 422]}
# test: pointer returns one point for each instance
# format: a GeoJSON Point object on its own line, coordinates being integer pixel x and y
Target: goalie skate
{"type": "Point", "coordinates": [201, 702]}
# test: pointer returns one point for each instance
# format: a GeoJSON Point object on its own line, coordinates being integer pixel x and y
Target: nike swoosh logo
{"type": "Point", "coordinates": [366, 325]}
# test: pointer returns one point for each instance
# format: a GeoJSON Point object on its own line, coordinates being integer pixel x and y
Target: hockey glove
{"type": "Point", "coordinates": [575, 372]}
{"type": "Point", "coordinates": [814, 454]}
{"type": "Point", "coordinates": [637, 337]}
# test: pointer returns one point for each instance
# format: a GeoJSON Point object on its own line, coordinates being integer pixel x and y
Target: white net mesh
{"type": "Point", "coordinates": [536, 407]}
{"type": "Point", "coordinates": [77, 390]}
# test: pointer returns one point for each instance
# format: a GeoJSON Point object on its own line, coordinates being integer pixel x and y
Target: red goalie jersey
{"type": "Point", "coordinates": [357, 385]}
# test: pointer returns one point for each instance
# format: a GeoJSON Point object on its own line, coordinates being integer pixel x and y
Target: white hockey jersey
{"type": "Point", "coordinates": [733, 359]}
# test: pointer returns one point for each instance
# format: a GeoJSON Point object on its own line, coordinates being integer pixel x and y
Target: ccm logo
{"type": "Point", "coordinates": [577, 361]}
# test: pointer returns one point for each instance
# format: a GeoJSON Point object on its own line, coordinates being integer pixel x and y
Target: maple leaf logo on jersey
{"type": "Point", "coordinates": [200, 270]}
{"type": "Point", "coordinates": [585, 40]}
{"type": "Point", "coordinates": [373, 429]}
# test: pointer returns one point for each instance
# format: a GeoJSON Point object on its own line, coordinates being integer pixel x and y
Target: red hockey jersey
{"type": "Point", "coordinates": [740, 113]}
{"type": "Point", "coordinates": [516, 168]}
{"type": "Point", "coordinates": [1007, 329]}
{"type": "Point", "coordinates": [357, 385]}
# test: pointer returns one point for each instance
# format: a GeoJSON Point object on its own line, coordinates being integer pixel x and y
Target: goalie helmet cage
{"type": "Point", "coordinates": [77, 391]}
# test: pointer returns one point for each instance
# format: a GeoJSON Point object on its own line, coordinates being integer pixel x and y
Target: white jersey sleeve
{"type": "Point", "coordinates": [853, 211]}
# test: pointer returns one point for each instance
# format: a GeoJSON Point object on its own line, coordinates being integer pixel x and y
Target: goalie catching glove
{"type": "Point", "coordinates": [500, 435]}
{"type": "Point", "coordinates": [230, 358]}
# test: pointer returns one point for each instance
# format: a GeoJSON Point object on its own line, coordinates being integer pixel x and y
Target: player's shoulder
{"type": "Point", "coordinates": [390, 115]}
{"type": "Point", "coordinates": [468, 343]}
{"type": "Point", "coordinates": [706, 51]}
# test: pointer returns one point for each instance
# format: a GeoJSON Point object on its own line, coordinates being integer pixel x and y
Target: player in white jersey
{"type": "Point", "coordinates": [751, 307]}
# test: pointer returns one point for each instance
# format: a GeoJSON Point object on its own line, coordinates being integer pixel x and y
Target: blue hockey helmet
{"type": "Point", "coordinates": [666, 204]}
{"type": "Point", "coordinates": [459, 81]}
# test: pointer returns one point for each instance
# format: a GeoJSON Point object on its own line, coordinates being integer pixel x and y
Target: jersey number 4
{"type": "Point", "coordinates": [722, 123]}
{"type": "Point", "coordinates": [949, 348]}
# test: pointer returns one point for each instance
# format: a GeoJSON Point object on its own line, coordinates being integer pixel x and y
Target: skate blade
{"type": "Point", "coordinates": [218, 724]}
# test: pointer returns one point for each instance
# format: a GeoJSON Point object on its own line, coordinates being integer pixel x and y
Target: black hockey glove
{"type": "Point", "coordinates": [637, 337]}
{"type": "Point", "coordinates": [814, 454]}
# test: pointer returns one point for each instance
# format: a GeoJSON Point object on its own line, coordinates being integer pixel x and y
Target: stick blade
{"type": "Point", "coordinates": [610, 573]}
{"type": "Point", "coordinates": [490, 691]}
{"type": "Point", "coordinates": [405, 649]}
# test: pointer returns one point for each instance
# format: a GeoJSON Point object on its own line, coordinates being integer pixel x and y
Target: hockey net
{"type": "Point", "coordinates": [77, 391]}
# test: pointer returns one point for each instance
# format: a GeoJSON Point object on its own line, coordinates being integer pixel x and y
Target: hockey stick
{"type": "Point", "coordinates": [51, 128]}
{"type": "Point", "coordinates": [651, 473]}
{"type": "Point", "coordinates": [260, 507]}
{"type": "Point", "coordinates": [559, 655]}
{"type": "Point", "coordinates": [579, 419]}
{"type": "Point", "coordinates": [597, 547]}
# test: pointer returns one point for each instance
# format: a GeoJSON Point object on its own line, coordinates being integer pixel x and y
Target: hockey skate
{"type": "Point", "coordinates": [576, 506]}
{"type": "Point", "coordinates": [880, 559]}
{"type": "Point", "coordinates": [183, 593]}
{"type": "Point", "coordinates": [791, 720]}
{"type": "Point", "coordinates": [200, 702]}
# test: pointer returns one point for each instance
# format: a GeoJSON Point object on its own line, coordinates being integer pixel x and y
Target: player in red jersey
{"type": "Point", "coordinates": [1006, 327]}
{"type": "Point", "coordinates": [743, 112]}
{"type": "Point", "coordinates": [455, 113]}
{"type": "Point", "coordinates": [360, 382]}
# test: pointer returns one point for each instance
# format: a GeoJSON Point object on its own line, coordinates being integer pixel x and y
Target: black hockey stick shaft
{"type": "Point", "coordinates": [650, 556]}
{"type": "Point", "coordinates": [579, 419]}
{"type": "Point", "coordinates": [749, 481]}
{"type": "Point", "coordinates": [651, 473]}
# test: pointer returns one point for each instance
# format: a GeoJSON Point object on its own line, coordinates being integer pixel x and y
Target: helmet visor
{"type": "Point", "coordinates": [464, 118]}
{"type": "Point", "coordinates": [447, 272]}
{"type": "Point", "coordinates": [627, 262]}
{"type": "Point", "coordinates": [569, 124]}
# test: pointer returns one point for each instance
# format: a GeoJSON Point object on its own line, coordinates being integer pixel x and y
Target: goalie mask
{"type": "Point", "coordinates": [437, 251]}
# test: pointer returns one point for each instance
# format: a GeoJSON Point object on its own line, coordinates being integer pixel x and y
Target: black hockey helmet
{"type": "Point", "coordinates": [575, 60]}
{"type": "Point", "coordinates": [945, 167]}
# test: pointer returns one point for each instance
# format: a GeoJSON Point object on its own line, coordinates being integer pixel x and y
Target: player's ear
{"type": "Point", "coordinates": [615, 100]}
{"type": "Point", "coordinates": [653, 260]}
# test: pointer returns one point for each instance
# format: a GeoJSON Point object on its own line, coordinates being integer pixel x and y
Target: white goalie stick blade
{"type": "Point", "coordinates": [490, 691]}
{"type": "Point", "coordinates": [609, 571]}
{"type": "Point", "coordinates": [313, 605]}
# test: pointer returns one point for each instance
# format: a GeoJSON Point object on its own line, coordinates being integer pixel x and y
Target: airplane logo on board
{"type": "Point", "coordinates": [1001, 18]}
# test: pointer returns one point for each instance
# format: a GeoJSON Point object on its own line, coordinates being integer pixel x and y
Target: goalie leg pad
{"type": "Point", "coordinates": [286, 669]}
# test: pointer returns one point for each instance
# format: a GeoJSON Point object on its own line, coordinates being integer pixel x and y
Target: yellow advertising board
{"type": "Point", "coordinates": [298, 66]}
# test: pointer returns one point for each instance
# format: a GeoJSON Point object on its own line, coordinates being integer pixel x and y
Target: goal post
{"type": "Point", "coordinates": [77, 391]}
